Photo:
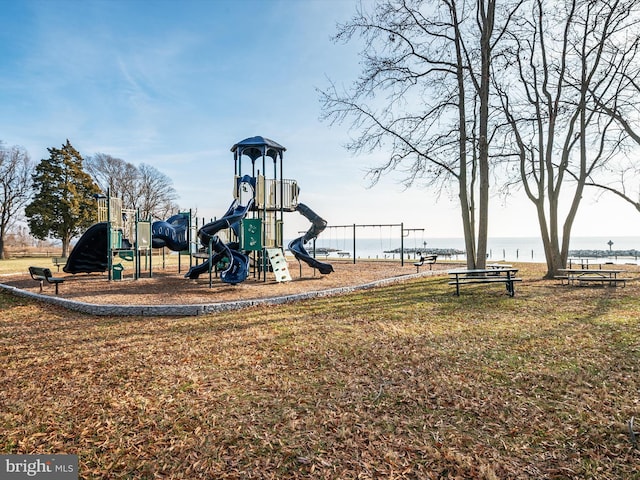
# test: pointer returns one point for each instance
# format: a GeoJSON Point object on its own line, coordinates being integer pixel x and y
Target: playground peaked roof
{"type": "Point", "coordinates": [256, 147]}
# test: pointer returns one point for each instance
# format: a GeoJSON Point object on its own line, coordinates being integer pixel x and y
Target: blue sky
{"type": "Point", "coordinates": [174, 84]}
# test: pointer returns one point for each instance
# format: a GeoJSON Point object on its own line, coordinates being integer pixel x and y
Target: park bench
{"type": "Point", "coordinates": [59, 261]}
{"type": "Point", "coordinates": [42, 274]}
{"type": "Point", "coordinates": [488, 275]}
{"type": "Point", "coordinates": [428, 259]}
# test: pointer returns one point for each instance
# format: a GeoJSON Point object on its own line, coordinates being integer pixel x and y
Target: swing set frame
{"type": "Point", "coordinates": [404, 232]}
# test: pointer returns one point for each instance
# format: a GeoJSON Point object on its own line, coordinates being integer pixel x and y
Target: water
{"type": "Point", "coordinates": [523, 249]}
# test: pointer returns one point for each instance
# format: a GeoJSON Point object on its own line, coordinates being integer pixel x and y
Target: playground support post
{"type": "Point", "coordinates": [402, 244]}
{"type": "Point", "coordinates": [354, 243]}
{"type": "Point", "coordinates": [109, 243]}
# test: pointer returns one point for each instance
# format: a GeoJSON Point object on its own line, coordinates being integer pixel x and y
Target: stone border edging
{"type": "Point", "coordinates": [201, 309]}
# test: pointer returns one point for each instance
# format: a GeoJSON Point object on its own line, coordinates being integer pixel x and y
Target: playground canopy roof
{"type": "Point", "coordinates": [256, 147]}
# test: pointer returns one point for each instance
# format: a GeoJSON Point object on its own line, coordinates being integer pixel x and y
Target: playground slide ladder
{"type": "Point", "coordinates": [279, 264]}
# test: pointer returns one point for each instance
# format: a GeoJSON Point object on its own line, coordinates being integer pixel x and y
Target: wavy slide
{"type": "Point", "coordinates": [90, 252]}
{"type": "Point", "coordinates": [296, 246]}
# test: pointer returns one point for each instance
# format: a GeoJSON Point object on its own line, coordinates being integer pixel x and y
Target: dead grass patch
{"type": "Point", "coordinates": [405, 381]}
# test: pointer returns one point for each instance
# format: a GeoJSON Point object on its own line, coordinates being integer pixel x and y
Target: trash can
{"type": "Point", "coordinates": [117, 271]}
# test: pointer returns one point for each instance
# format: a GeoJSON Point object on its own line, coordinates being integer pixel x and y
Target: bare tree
{"type": "Point", "coordinates": [156, 193]}
{"type": "Point", "coordinates": [16, 168]}
{"type": "Point", "coordinates": [622, 103]}
{"type": "Point", "coordinates": [562, 63]}
{"type": "Point", "coordinates": [144, 188]}
{"type": "Point", "coordinates": [424, 95]}
{"type": "Point", "coordinates": [115, 176]}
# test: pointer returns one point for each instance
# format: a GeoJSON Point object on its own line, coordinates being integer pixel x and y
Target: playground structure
{"type": "Point", "coordinates": [123, 225]}
{"type": "Point", "coordinates": [253, 223]}
{"type": "Point", "coordinates": [247, 238]}
{"type": "Point", "coordinates": [119, 236]}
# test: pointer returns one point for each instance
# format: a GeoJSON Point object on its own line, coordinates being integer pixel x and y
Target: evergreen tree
{"type": "Point", "coordinates": [63, 205]}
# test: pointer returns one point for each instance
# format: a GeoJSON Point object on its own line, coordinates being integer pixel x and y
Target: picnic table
{"type": "Point", "coordinates": [59, 261]}
{"type": "Point", "coordinates": [581, 276]}
{"type": "Point", "coordinates": [493, 274]}
{"type": "Point", "coordinates": [495, 266]}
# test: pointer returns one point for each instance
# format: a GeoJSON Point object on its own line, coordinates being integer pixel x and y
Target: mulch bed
{"type": "Point", "coordinates": [169, 287]}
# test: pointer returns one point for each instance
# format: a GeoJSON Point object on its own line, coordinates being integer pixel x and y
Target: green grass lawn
{"type": "Point", "coordinates": [405, 381]}
{"type": "Point", "coordinates": [22, 264]}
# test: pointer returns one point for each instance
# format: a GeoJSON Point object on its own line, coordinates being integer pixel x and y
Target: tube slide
{"type": "Point", "coordinates": [238, 269]}
{"type": "Point", "coordinates": [296, 246]}
{"type": "Point", "coordinates": [171, 233]}
{"type": "Point", "coordinates": [239, 263]}
{"type": "Point", "coordinates": [219, 252]}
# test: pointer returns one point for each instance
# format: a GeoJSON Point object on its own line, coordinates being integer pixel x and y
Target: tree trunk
{"type": "Point", "coordinates": [467, 226]}
{"type": "Point", "coordinates": [66, 242]}
{"type": "Point", "coordinates": [486, 14]}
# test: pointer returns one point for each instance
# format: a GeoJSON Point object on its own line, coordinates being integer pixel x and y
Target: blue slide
{"type": "Point", "coordinates": [171, 233]}
{"type": "Point", "coordinates": [296, 246]}
{"type": "Point", "coordinates": [239, 263]}
{"type": "Point", "coordinates": [238, 268]}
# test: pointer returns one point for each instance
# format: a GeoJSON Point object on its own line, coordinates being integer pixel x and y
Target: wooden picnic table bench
{"type": "Point", "coordinates": [582, 276]}
{"type": "Point", "coordinates": [506, 275]}
{"type": "Point", "coordinates": [42, 274]}
{"type": "Point", "coordinates": [428, 259]}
